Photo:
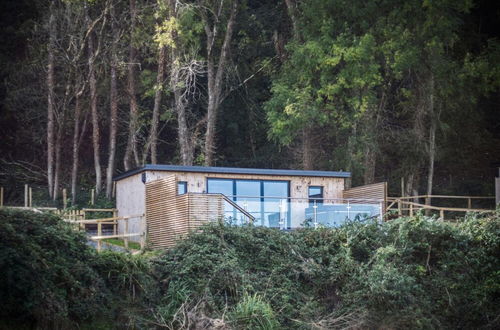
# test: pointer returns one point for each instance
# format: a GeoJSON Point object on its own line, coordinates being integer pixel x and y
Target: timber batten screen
{"type": "Point", "coordinates": [375, 191]}
{"type": "Point", "coordinates": [166, 213]}
{"type": "Point", "coordinates": [170, 216]}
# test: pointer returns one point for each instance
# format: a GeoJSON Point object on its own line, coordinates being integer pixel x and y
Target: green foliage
{"type": "Point", "coordinates": [51, 278]}
{"type": "Point", "coordinates": [409, 273]}
{"type": "Point", "coordinates": [253, 312]}
{"type": "Point", "coordinates": [46, 274]}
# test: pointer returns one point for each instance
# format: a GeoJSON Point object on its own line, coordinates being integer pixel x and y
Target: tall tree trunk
{"type": "Point", "coordinates": [308, 133]}
{"type": "Point", "coordinates": [372, 129]}
{"type": "Point", "coordinates": [291, 6]}
{"type": "Point", "coordinates": [61, 123]}
{"type": "Point", "coordinates": [350, 151]}
{"type": "Point", "coordinates": [57, 167]}
{"type": "Point", "coordinates": [307, 149]}
{"type": "Point", "coordinates": [95, 116]}
{"type": "Point", "coordinates": [113, 125]}
{"type": "Point", "coordinates": [185, 139]}
{"type": "Point", "coordinates": [370, 163]}
{"type": "Point", "coordinates": [152, 143]}
{"type": "Point", "coordinates": [432, 143]}
{"type": "Point", "coordinates": [76, 145]}
{"type": "Point", "coordinates": [51, 101]}
{"type": "Point", "coordinates": [215, 79]}
{"type": "Point", "coordinates": [419, 135]}
{"type": "Point", "coordinates": [131, 148]}
{"type": "Point", "coordinates": [186, 142]}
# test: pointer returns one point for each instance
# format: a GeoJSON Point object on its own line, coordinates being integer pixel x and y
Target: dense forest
{"type": "Point", "coordinates": [388, 90]}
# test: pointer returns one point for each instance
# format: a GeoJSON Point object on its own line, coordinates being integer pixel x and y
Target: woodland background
{"type": "Point", "coordinates": [384, 89]}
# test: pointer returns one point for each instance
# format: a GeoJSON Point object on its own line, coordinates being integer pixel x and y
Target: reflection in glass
{"type": "Point", "coordinates": [181, 187]}
{"type": "Point", "coordinates": [275, 204]}
{"type": "Point", "coordinates": [248, 197]}
{"type": "Point", "coordinates": [266, 200]}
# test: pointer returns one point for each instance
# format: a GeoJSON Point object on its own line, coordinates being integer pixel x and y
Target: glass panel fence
{"type": "Point", "coordinates": [289, 213]}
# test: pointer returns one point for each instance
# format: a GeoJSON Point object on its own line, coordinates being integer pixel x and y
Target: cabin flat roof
{"type": "Point", "coordinates": [232, 170]}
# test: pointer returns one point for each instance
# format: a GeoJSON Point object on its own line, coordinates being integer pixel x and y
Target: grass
{"type": "Point", "coordinates": [120, 242]}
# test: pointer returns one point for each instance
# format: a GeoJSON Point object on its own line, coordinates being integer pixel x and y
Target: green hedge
{"type": "Point", "coordinates": [407, 273]}
{"type": "Point", "coordinates": [410, 273]}
{"type": "Point", "coordinates": [50, 278]}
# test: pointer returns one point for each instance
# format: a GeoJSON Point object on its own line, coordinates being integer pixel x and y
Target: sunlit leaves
{"type": "Point", "coordinates": [163, 35]}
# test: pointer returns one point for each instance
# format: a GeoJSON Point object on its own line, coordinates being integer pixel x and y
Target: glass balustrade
{"type": "Point", "coordinates": [290, 213]}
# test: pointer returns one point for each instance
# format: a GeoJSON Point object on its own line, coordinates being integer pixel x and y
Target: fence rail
{"type": "Point", "coordinates": [404, 205]}
{"type": "Point", "coordinates": [113, 221]}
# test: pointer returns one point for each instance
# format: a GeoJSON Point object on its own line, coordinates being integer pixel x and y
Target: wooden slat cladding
{"type": "Point", "coordinates": [204, 208]}
{"type": "Point", "coordinates": [171, 217]}
{"type": "Point", "coordinates": [368, 192]}
{"type": "Point", "coordinates": [166, 213]}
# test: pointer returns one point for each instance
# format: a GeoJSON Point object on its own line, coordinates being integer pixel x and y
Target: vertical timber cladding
{"type": "Point", "coordinates": [170, 216]}
{"type": "Point", "coordinates": [369, 191]}
{"type": "Point", "coordinates": [166, 213]}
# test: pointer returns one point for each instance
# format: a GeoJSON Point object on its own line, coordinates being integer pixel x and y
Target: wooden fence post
{"type": "Point", "coordinates": [115, 222]}
{"type": "Point", "coordinates": [441, 214]}
{"type": "Point", "coordinates": [99, 233]}
{"type": "Point", "coordinates": [143, 236]}
{"type": "Point", "coordinates": [400, 212]}
{"type": "Point", "coordinates": [469, 203]}
{"type": "Point", "coordinates": [125, 238]}
{"type": "Point", "coordinates": [411, 210]}
{"type": "Point", "coordinates": [25, 195]}
{"type": "Point", "coordinates": [65, 198]}
{"type": "Point", "coordinates": [30, 197]}
{"type": "Point", "coordinates": [1, 196]}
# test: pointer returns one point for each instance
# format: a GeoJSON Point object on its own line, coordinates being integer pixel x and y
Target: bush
{"type": "Point", "coordinates": [50, 278]}
{"type": "Point", "coordinates": [46, 275]}
{"type": "Point", "coordinates": [413, 272]}
{"type": "Point", "coordinates": [252, 312]}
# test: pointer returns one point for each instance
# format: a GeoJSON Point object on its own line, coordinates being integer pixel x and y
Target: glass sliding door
{"type": "Point", "coordinates": [266, 200]}
{"type": "Point", "coordinates": [275, 204]}
{"type": "Point", "coordinates": [225, 187]}
{"type": "Point", "coordinates": [248, 194]}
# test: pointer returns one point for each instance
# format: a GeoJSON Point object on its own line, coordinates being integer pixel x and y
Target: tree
{"type": "Point", "coordinates": [216, 66]}
{"type": "Point", "coordinates": [50, 99]}
{"type": "Point", "coordinates": [131, 148]}
{"type": "Point", "coordinates": [113, 114]}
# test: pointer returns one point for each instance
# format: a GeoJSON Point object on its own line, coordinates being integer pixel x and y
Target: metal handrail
{"type": "Point", "coordinates": [312, 198]}
{"type": "Point", "coordinates": [239, 208]}
{"type": "Point", "coordinates": [236, 206]}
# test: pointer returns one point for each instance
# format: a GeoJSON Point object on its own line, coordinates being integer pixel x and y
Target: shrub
{"type": "Point", "coordinates": [252, 312]}
{"type": "Point", "coordinates": [51, 278]}
{"type": "Point", "coordinates": [413, 272]}
{"type": "Point", "coordinates": [46, 275]}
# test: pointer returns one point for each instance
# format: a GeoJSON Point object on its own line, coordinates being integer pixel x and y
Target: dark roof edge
{"type": "Point", "coordinates": [232, 170]}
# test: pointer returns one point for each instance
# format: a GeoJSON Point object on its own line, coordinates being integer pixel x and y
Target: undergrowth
{"type": "Point", "coordinates": [413, 272]}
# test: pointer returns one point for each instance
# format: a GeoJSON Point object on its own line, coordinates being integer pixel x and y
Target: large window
{"type": "Point", "coordinates": [266, 200]}
{"type": "Point", "coordinates": [247, 195]}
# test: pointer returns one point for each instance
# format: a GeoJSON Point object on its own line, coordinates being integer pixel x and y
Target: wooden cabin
{"type": "Point", "coordinates": [177, 199]}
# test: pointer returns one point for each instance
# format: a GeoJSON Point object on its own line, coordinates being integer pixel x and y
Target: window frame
{"type": "Point", "coordinates": [318, 200]}
{"type": "Point", "coordinates": [185, 185]}
{"type": "Point", "coordinates": [262, 198]}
